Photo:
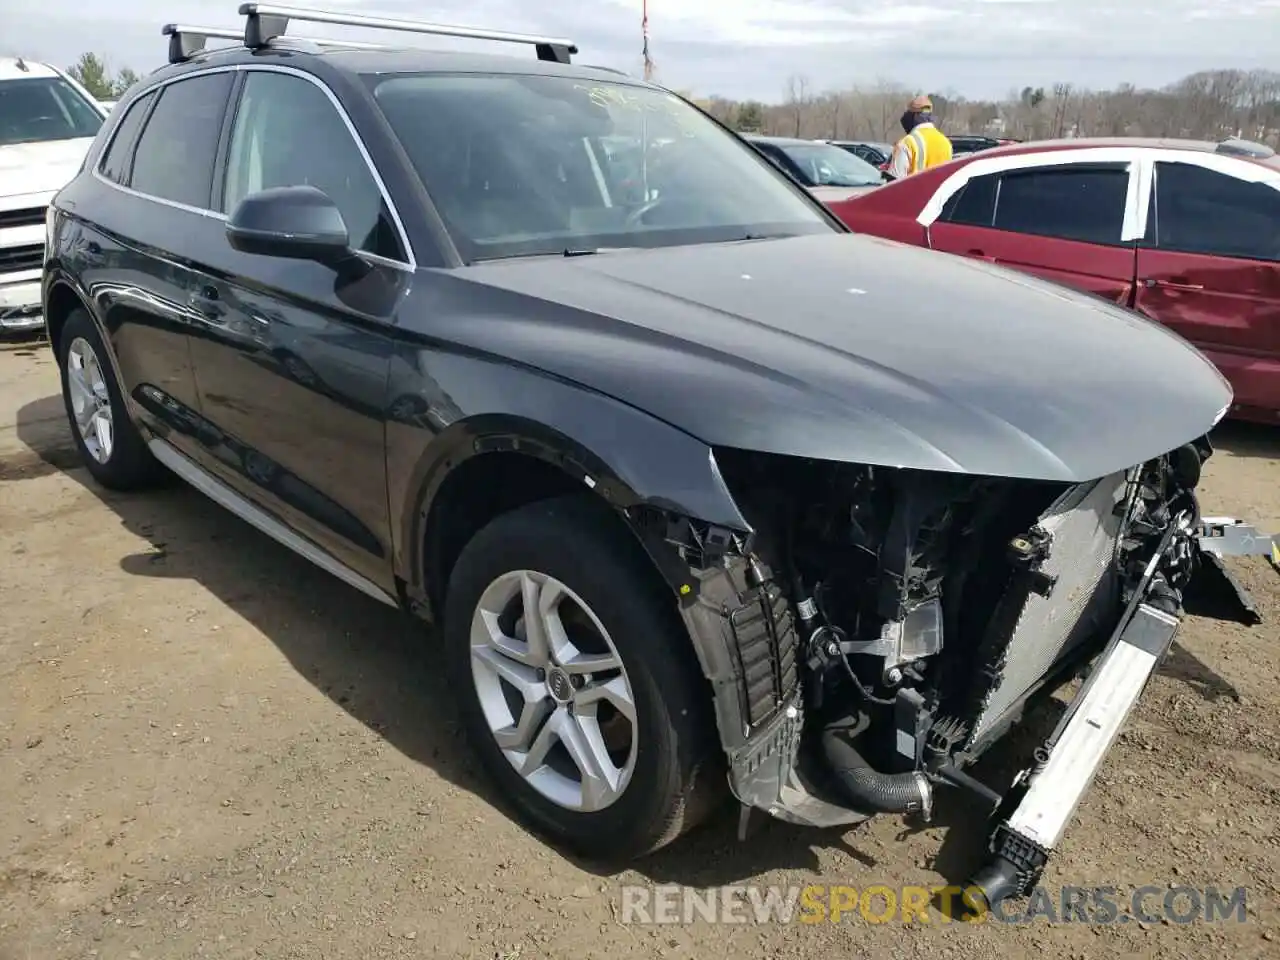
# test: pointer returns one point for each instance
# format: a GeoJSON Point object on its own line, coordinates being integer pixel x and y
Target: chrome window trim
{"type": "Point", "coordinates": [411, 264]}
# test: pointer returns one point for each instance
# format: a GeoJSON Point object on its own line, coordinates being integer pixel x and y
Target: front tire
{"type": "Point", "coordinates": [590, 712]}
{"type": "Point", "coordinates": [110, 445]}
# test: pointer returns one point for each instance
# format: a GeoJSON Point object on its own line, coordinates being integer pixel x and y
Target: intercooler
{"type": "Point", "coordinates": [1078, 588]}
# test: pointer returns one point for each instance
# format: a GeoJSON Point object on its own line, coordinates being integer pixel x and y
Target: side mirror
{"type": "Point", "coordinates": [300, 223]}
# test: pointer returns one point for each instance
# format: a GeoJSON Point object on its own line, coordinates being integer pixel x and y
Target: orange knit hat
{"type": "Point", "coordinates": [921, 104]}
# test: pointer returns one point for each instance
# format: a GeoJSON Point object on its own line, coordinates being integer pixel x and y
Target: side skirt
{"type": "Point", "coordinates": [224, 496]}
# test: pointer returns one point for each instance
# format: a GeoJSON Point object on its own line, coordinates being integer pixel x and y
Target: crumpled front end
{"type": "Point", "coordinates": [880, 628]}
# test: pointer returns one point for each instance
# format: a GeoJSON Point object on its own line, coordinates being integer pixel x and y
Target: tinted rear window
{"type": "Point", "coordinates": [176, 152]}
{"type": "Point", "coordinates": [1068, 202]}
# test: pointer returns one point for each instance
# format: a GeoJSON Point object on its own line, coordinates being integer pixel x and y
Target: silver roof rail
{"type": "Point", "coordinates": [267, 21]}
{"type": "Point", "coordinates": [186, 41]}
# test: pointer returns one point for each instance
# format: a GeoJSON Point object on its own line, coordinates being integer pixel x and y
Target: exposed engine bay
{"type": "Point", "coordinates": [884, 626]}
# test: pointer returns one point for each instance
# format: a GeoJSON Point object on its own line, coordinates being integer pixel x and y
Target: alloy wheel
{"type": "Point", "coordinates": [90, 400]}
{"type": "Point", "coordinates": [554, 691]}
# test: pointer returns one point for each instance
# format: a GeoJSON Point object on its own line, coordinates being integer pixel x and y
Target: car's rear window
{"type": "Point", "coordinates": [36, 109]}
{"type": "Point", "coordinates": [525, 165]}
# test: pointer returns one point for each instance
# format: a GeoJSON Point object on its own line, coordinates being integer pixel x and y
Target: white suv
{"type": "Point", "coordinates": [47, 122]}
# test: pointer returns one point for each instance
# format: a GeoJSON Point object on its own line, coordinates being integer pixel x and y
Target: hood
{"type": "Point", "coordinates": [854, 348]}
{"type": "Point", "coordinates": [43, 167]}
{"type": "Point", "coordinates": [834, 194]}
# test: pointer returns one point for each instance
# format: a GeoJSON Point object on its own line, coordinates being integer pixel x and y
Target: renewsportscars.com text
{"type": "Point", "coordinates": [813, 904]}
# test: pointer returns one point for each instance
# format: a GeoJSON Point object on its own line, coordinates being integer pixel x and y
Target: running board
{"type": "Point", "coordinates": [1051, 792]}
{"type": "Point", "coordinates": [224, 496]}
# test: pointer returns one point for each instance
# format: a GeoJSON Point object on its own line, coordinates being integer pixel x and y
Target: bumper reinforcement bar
{"type": "Point", "coordinates": [1022, 843]}
{"type": "Point", "coordinates": [1044, 798]}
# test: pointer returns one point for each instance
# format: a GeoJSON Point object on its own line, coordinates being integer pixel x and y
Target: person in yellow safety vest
{"type": "Point", "coordinates": [924, 146]}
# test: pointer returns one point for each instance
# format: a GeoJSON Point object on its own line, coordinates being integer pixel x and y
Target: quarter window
{"type": "Point", "coordinates": [287, 132]}
{"type": "Point", "coordinates": [1203, 211]}
{"type": "Point", "coordinates": [115, 161]}
{"type": "Point", "coordinates": [175, 155]}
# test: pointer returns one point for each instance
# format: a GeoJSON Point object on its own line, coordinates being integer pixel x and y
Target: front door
{"type": "Point", "coordinates": [1062, 222]}
{"type": "Point", "coordinates": [294, 377]}
{"type": "Point", "coordinates": [1209, 269]}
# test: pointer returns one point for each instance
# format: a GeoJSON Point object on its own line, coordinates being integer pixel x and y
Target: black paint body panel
{"type": "Point", "coordinates": [339, 402]}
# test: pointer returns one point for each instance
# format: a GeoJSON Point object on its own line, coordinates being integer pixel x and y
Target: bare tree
{"type": "Point", "coordinates": [1212, 104]}
{"type": "Point", "coordinates": [798, 100]}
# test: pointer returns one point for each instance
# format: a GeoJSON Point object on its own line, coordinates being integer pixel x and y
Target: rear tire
{"type": "Point", "coordinates": [109, 442]}
{"type": "Point", "coordinates": [572, 553]}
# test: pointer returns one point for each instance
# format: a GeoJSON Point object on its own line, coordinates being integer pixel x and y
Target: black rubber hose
{"type": "Point", "coordinates": [997, 880]}
{"type": "Point", "coordinates": [868, 789]}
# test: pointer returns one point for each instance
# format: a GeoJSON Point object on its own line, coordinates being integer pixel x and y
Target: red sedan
{"type": "Point", "coordinates": [1185, 232]}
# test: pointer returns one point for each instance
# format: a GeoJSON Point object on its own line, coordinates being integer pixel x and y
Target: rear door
{"type": "Point", "coordinates": [149, 240]}
{"type": "Point", "coordinates": [1209, 268]}
{"type": "Point", "coordinates": [1063, 222]}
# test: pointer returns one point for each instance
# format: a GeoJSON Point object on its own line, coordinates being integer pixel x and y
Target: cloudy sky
{"type": "Point", "coordinates": [748, 48]}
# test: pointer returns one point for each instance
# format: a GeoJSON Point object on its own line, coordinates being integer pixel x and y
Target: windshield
{"type": "Point", "coordinates": [33, 109]}
{"type": "Point", "coordinates": [529, 165]}
{"type": "Point", "coordinates": [826, 166]}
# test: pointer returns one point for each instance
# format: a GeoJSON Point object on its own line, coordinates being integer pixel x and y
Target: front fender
{"type": "Point", "coordinates": [448, 407]}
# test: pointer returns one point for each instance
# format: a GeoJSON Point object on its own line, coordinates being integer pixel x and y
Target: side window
{"type": "Point", "coordinates": [176, 152]}
{"type": "Point", "coordinates": [974, 204]}
{"type": "Point", "coordinates": [1202, 211]}
{"type": "Point", "coordinates": [1067, 202]}
{"type": "Point", "coordinates": [115, 159]}
{"type": "Point", "coordinates": [287, 132]}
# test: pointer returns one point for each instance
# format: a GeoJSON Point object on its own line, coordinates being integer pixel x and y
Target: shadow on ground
{"type": "Point", "coordinates": [381, 667]}
{"type": "Point", "coordinates": [1252, 441]}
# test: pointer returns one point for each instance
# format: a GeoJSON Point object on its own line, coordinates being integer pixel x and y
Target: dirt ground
{"type": "Point", "coordinates": [209, 748]}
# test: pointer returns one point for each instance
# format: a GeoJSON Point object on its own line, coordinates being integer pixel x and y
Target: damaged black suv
{"type": "Point", "coordinates": [709, 495]}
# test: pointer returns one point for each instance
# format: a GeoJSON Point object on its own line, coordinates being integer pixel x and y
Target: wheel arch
{"type": "Point", "coordinates": [63, 294]}
{"type": "Point", "coordinates": [61, 298]}
{"type": "Point", "coordinates": [485, 465]}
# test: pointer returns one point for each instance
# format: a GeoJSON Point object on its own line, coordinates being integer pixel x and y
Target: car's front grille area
{"type": "Point", "coordinates": [764, 644]}
{"type": "Point", "coordinates": [29, 256]}
{"type": "Point", "coordinates": [26, 217]}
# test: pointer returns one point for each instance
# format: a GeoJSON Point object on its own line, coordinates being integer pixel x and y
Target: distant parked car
{"type": "Point", "coordinates": [964, 143]}
{"type": "Point", "coordinates": [47, 121]}
{"type": "Point", "coordinates": [1184, 232]}
{"type": "Point", "coordinates": [875, 153]}
{"type": "Point", "coordinates": [831, 174]}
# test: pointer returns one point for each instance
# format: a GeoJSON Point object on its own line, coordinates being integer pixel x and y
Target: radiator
{"type": "Point", "coordinates": [1083, 525]}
